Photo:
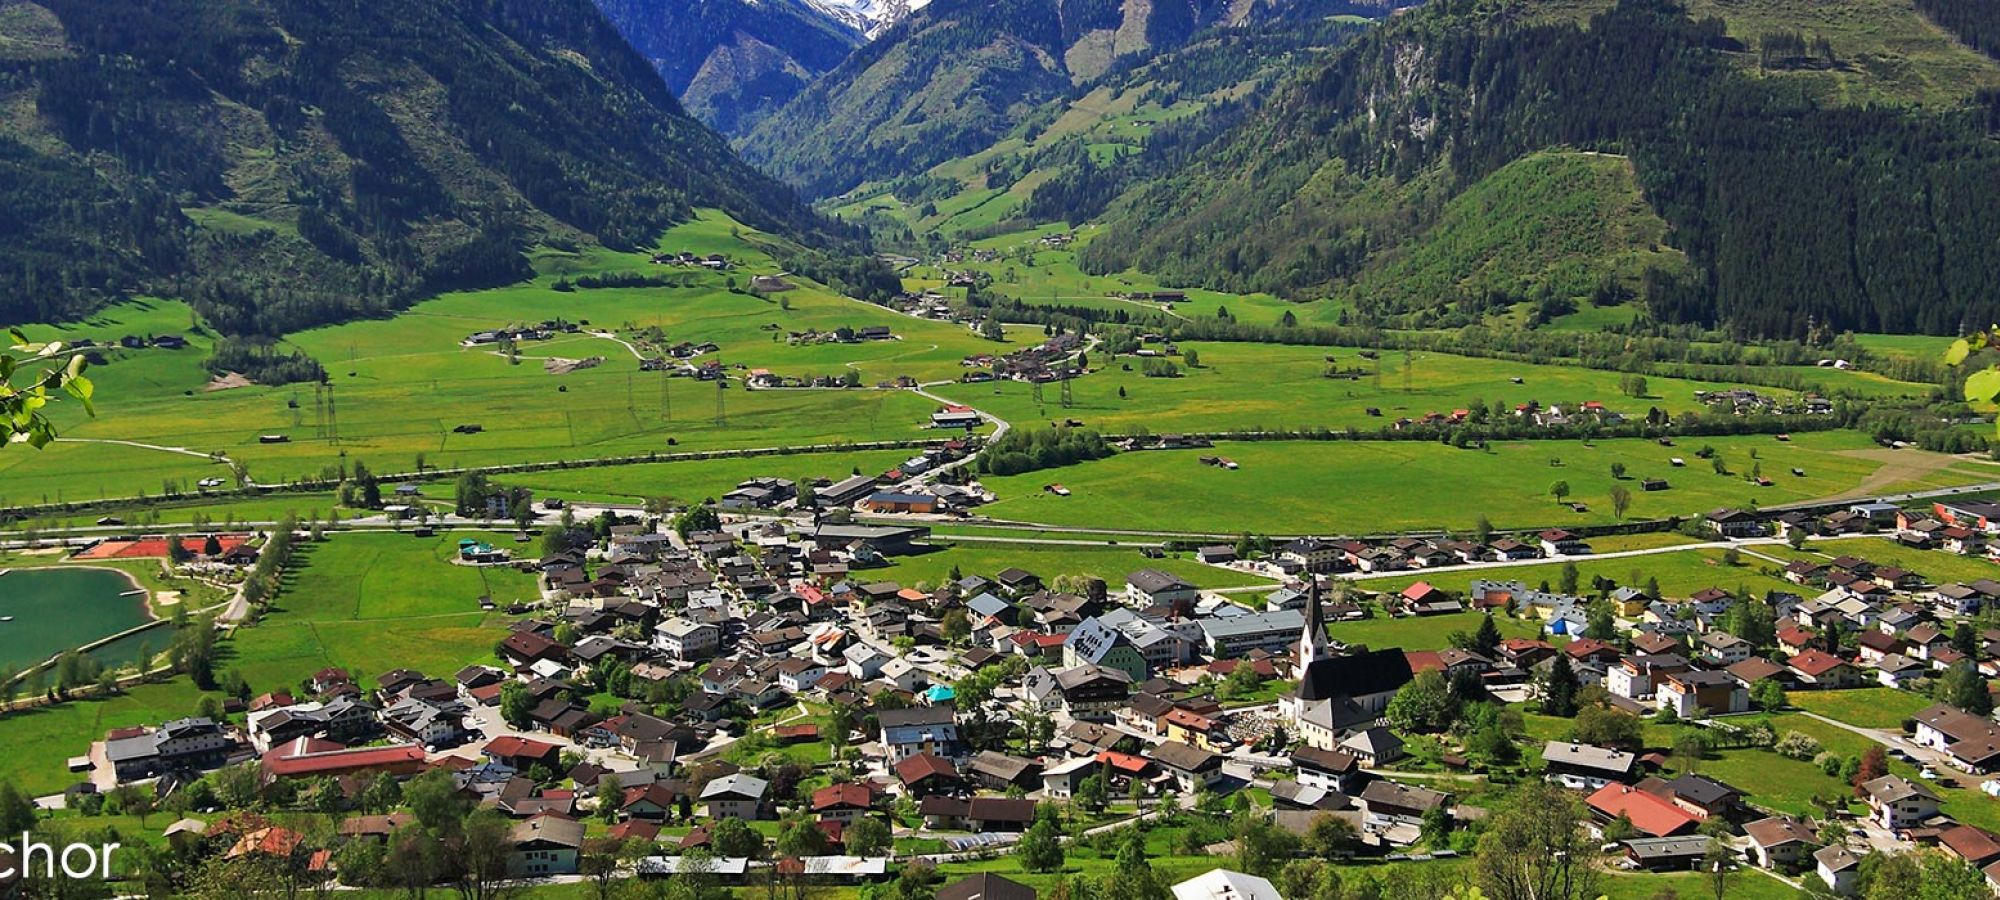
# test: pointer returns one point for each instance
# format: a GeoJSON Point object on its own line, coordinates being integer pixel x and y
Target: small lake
{"type": "Point", "coordinates": [58, 609]}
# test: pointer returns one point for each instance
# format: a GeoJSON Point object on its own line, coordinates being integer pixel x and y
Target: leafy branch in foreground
{"type": "Point", "coordinates": [44, 373]}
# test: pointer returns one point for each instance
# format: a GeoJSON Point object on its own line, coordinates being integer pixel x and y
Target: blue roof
{"type": "Point", "coordinates": [940, 693]}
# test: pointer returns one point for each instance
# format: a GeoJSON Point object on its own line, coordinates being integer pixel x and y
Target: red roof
{"type": "Point", "coordinates": [848, 794]}
{"type": "Point", "coordinates": [307, 758]}
{"type": "Point", "coordinates": [1585, 647]}
{"type": "Point", "coordinates": [1815, 662]}
{"type": "Point", "coordinates": [1124, 761]}
{"type": "Point", "coordinates": [636, 829]}
{"type": "Point", "coordinates": [924, 765]}
{"type": "Point", "coordinates": [1419, 591]}
{"type": "Point", "coordinates": [1649, 814]}
{"type": "Point", "coordinates": [1423, 660]}
{"type": "Point", "coordinates": [515, 747]}
{"type": "Point", "coordinates": [1794, 635]}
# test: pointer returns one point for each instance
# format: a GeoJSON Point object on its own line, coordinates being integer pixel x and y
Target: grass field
{"type": "Point", "coordinates": [1680, 574]}
{"type": "Point", "coordinates": [1269, 387]}
{"type": "Point", "coordinates": [1284, 487]}
{"type": "Point", "coordinates": [1873, 707]}
{"type": "Point", "coordinates": [402, 384]}
{"type": "Point", "coordinates": [368, 602]}
{"type": "Point", "coordinates": [1936, 566]}
{"type": "Point", "coordinates": [694, 480]}
{"type": "Point", "coordinates": [1109, 563]}
{"type": "Point", "coordinates": [1424, 633]}
{"type": "Point", "coordinates": [219, 510]}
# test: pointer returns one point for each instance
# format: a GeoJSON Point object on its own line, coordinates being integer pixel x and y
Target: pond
{"type": "Point", "coordinates": [46, 611]}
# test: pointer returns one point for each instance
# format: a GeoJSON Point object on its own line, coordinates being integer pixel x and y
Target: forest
{"type": "Point", "coordinates": [356, 220]}
{"type": "Point", "coordinates": [1861, 218]}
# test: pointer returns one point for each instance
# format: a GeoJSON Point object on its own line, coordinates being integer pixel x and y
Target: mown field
{"type": "Point", "coordinates": [402, 384]}
{"type": "Point", "coordinates": [1318, 487]}
{"type": "Point", "coordinates": [1244, 387]}
{"type": "Point", "coordinates": [1935, 566]}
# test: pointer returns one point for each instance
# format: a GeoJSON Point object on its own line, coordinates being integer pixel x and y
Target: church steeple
{"type": "Point", "coordinates": [1312, 642]}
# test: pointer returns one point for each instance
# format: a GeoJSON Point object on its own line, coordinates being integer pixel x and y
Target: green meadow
{"type": "Point", "coordinates": [1270, 387]}
{"type": "Point", "coordinates": [1050, 561]}
{"type": "Point", "coordinates": [693, 480]}
{"type": "Point", "coordinates": [401, 385]}
{"type": "Point", "coordinates": [1680, 573]}
{"type": "Point", "coordinates": [1367, 487]}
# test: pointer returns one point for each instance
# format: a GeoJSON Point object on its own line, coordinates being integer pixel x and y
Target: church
{"type": "Point", "coordinates": [1338, 695]}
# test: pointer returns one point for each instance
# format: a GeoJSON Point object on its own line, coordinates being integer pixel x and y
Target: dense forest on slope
{"type": "Point", "coordinates": [734, 61]}
{"type": "Point", "coordinates": [1976, 22]}
{"type": "Point", "coordinates": [283, 163]}
{"type": "Point", "coordinates": [958, 75]}
{"type": "Point", "coordinates": [1792, 211]}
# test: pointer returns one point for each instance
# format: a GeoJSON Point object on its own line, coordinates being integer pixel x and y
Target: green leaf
{"type": "Point", "coordinates": [1983, 386]}
{"type": "Point", "coordinates": [1958, 352]}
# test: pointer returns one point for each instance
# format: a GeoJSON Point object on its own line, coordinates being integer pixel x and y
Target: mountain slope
{"type": "Point", "coordinates": [333, 159]}
{"type": "Point", "coordinates": [1791, 209]}
{"type": "Point", "coordinates": [957, 75]}
{"type": "Point", "coordinates": [733, 61]}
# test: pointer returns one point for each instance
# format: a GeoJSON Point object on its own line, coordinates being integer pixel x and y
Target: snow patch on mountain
{"type": "Point", "coordinates": [870, 17]}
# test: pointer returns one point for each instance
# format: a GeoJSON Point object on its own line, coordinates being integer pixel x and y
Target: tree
{"type": "Point", "coordinates": [734, 838]}
{"type": "Point", "coordinates": [1621, 500]}
{"type": "Point", "coordinates": [1874, 764]}
{"type": "Point", "coordinates": [1769, 694]}
{"type": "Point", "coordinates": [435, 800]}
{"type": "Point", "coordinates": [1797, 745]}
{"type": "Point", "coordinates": [1569, 577]}
{"type": "Point", "coordinates": [1192, 359]}
{"type": "Point", "coordinates": [1536, 848]}
{"type": "Point", "coordinates": [1090, 793]}
{"type": "Point", "coordinates": [1559, 490]}
{"type": "Point", "coordinates": [31, 380]}
{"type": "Point", "coordinates": [1599, 624]}
{"type": "Point", "coordinates": [1425, 705]}
{"type": "Point", "coordinates": [1963, 687]}
{"type": "Point", "coordinates": [1603, 725]}
{"type": "Point", "coordinates": [1618, 471]}
{"type": "Point", "coordinates": [868, 836]}
{"type": "Point", "coordinates": [610, 797]}
{"type": "Point", "coordinates": [1262, 847]}
{"type": "Point", "coordinates": [1486, 640]}
{"type": "Point", "coordinates": [600, 861]}
{"type": "Point", "coordinates": [990, 329]}
{"type": "Point", "coordinates": [800, 836]}
{"type": "Point", "coordinates": [1040, 848]}
{"type": "Point", "coordinates": [480, 852]}
{"type": "Point", "coordinates": [517, 706]}
{"type": "Point", "coordinates": [1965, 640]}
{"type": "Point", "coordinates": [413, 861]}
{"type": "Point", "coordinates": [1331, 837]}
{"type": "Point", "coordinates": [1482, 531]}
{"type": "Point", "coordinates": [17, 812]}
{"type": "Point", "coordinates": [1559, 688]}
{"type": "Point", "coordinates": [955, 625]}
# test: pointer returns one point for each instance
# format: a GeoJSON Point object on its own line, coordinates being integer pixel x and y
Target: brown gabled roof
{"type": "Point", "coordinates": [1974, 845]}
{"type": "Point", "coordinates": [924, 765]}
{"type": "Point", "coordinates": [1779, 830]}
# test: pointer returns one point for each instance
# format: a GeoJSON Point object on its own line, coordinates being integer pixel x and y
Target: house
{"type": "Point", "coordinates": [1733, 523]}
{"type": "Point", "coordinates": [1388, 806]}
{"type": "Point", "coordinates": [1698, 795]}
{"type": "Point", "coordinates": [1819, 669]}
{"type": "Point", "coordinates": [1374, 746]}
{"type": "Point", "coordinates": [1337, 694]}
{"type": "Point", "coordinates": [1701, 693]}
{"type": "Point", "coordinates": [844, 802]}
{"type": "Point", "coordinates": [1584, 767]}
{"type": "Point", "coordinates": [920, 729]}
{"type": "Point", "coordinates": [1838, 867]}
{"type": "Point", "coordinates": [1152, 587]}
{"type": "Point", "coordinates": [737, 796]}
{"type": "Point", "coordinates": [1223, 884]}
{"type": "Point", "coordinates": [1059, 781]}
{"type": "Point", "coordinates": [1331, 770]}
{"type": "Point", "coordinates": [1723, 649]}
{"type": "Point", "coordinates": [1780, 843]}
{"type": "Point", "coordinates": [1097, 643]}
{"type": "Point", "coordinates": [1896, 803]}
{"type": "Point", "coordinates": [1653, 815]}
{"type": "Point", "coordinates": [1666, 854]}
{"type": "Point", "coordinates": [686, 640]}
{"type": "Point", "coordinates": [986, 886]}
{"type": "Point", "coordinates": [1637, 677]}
{"type": "Point", "coordinates": [998, 771]}
{"type": "Point", "coordinates": [1976, 846]}
{"type": "Point", "coordinates": [182, 745]}
{"type": "Point", "coordinates": [545, 845]}
{"type": "Point", "coordinates": [1189, 765]}
{"type": "Point", "coordinates": [798, 674]}
{"type": "Point", "coordinates": [1230, 637]}
{"type": "Point", "coordinates": [927, 773]}
{"type": "Point", "coordinates": [1312, 554]}
{"type": "Point", "coordinates": [1972, 742]}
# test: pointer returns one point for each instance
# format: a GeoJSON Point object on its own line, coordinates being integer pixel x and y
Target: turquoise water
{"type": "Point", "coordinates": [57, 609]}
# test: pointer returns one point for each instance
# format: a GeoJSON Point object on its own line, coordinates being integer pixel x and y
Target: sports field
{"type": "Point", "coordinates": [1338, 487]}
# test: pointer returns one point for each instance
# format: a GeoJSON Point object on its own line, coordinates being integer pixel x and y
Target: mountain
{"type": "Point", "coordinates": [1808, 174]}
{"type": "Point", "coordinates": [734, 61]}
{"type": "Point", "coordinates": [956, 75]}
{"type": "Point", "coordinates": [284, 163]}
{"type": "Point", "coordinates": [870, 17]}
